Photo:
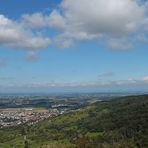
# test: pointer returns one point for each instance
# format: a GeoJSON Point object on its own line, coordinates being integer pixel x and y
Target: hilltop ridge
{"type": "Point", "coordinates": [116, 123]}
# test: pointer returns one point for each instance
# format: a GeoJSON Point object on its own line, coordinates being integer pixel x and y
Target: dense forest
{"type": "Point", "coordinates": [116, 123]}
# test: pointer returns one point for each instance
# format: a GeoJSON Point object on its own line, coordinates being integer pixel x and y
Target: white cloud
{"type": "Point", "coordinates": [120, 44]}
{"type": "Point", "coordinates": [126, 83]}
{"type": "Point", "coordinates": [89, 20]}
{"type": "Point", "coordinates": [14, 34]}
{"type": "Point", "coordinates": [115, 21]}
{"type": "Point", "coordinates": [54, 19]}
{"type": "Point", "coordinates": [35, 20]}
{"type": "Point", "coordinates": [145, 78]}
{"type": "Point", "coordinates": [103, 16]}
{"type": "Point", "coordinates": [63, 42]}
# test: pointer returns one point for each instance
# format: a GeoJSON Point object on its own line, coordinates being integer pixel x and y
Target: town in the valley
{"type": "Point", "coordinates": [30, 109]}
{"type": "Point", "coordinates": [30, 116]}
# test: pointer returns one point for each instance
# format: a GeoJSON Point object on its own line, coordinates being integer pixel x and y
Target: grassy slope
{"type": "Point", "coordinates": [118, 123]}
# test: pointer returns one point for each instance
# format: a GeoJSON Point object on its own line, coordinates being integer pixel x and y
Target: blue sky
{"type": "Point", "coordinates": [58, 46]}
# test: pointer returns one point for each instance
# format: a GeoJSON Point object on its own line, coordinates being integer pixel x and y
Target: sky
{"type": "Point", "coordinates": [73, 46]}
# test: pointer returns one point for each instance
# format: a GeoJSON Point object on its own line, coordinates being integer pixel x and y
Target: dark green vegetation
{"type": "Point", "coordinates": [118, 123]}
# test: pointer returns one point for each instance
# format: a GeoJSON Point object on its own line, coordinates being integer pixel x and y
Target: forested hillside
{"type": "Point", "coordinates": [117, 123]}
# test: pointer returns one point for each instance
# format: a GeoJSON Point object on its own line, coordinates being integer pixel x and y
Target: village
{"type": "Point", "coordinates": [30, 116]}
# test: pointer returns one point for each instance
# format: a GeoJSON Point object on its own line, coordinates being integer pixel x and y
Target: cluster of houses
{"type": "Point", "coordinates": [14, 117]}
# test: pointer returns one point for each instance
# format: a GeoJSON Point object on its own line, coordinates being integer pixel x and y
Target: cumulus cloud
{"type": "Point", "coordinates": [121, 43]}
{"type": "Point", "coordinates": [89, 20]}
{"type": "Point", "coordinates": [103, 16]}
{"type": "Point", "coordinates": [115, 21]}
{"type": "Point", "coordinates": [35, 20]}
{"type": "Point", "coordinates": [14, 34]}
{"type": "Point", "coordinates": [38, 20]}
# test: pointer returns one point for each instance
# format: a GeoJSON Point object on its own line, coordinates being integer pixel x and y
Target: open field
{"type": "Point", "coordinates": [39, 110]}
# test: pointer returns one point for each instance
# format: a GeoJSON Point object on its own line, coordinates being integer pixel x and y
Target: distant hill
{"type": "Point", "coordinates": [117, 123]}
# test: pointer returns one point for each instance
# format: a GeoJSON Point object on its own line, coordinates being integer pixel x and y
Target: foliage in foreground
{"type": "Point", "coordinates": [118, 123]}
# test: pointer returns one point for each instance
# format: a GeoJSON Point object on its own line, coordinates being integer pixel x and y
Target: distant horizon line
{"type": "Point", "coordinates": [56, 93]}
